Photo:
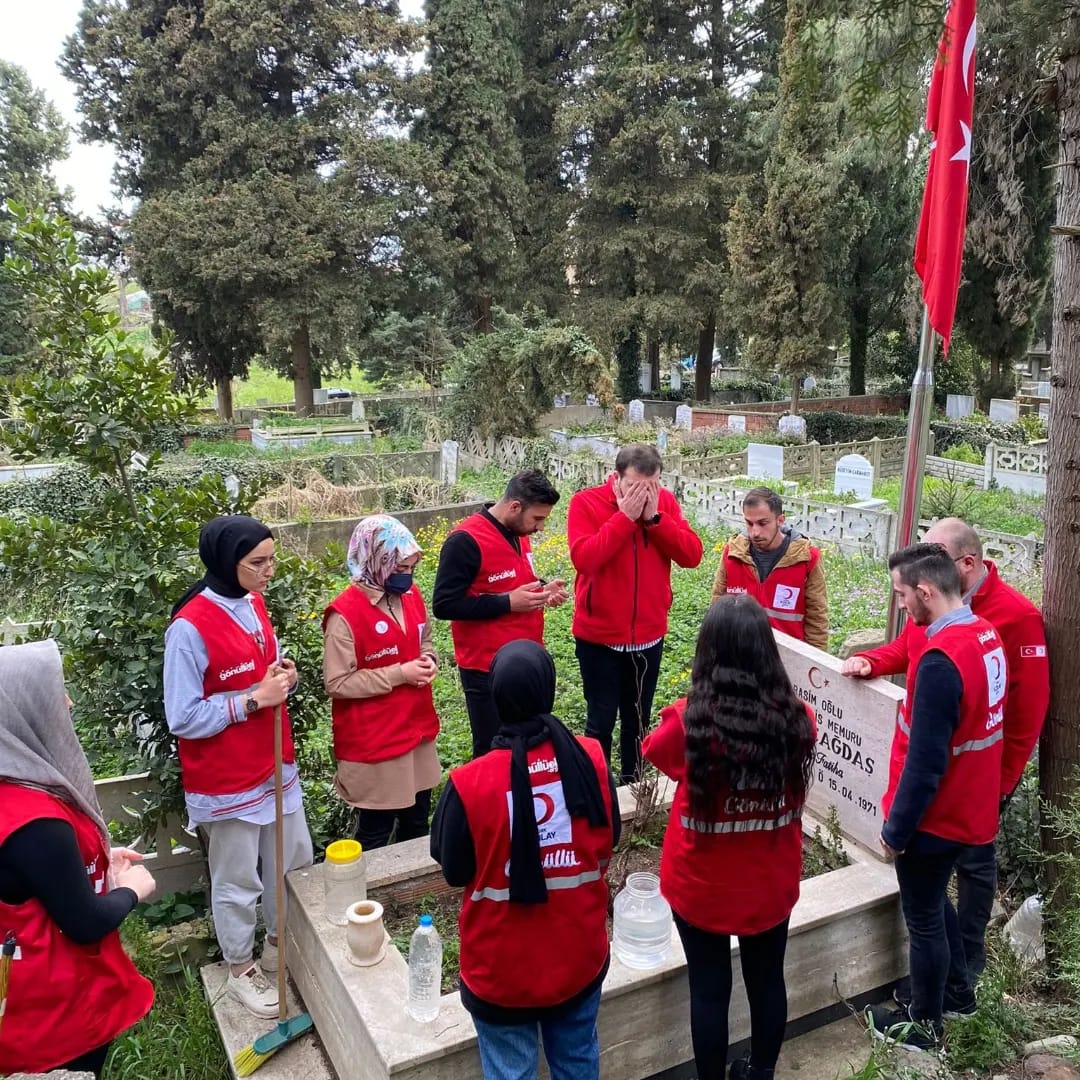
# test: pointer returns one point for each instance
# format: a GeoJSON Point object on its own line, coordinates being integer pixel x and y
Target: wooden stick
{"type": "Point", "coordinates": [279, 855]}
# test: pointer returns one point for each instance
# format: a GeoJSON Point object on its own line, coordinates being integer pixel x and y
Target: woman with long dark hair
{"type": "Point", "coordinates": [740, 747]}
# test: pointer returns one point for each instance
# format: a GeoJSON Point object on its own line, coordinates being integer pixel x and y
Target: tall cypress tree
{"type": "Point", "coordinates": [249, 130]}
{"type": "Point", "coordinates": [468, 125]}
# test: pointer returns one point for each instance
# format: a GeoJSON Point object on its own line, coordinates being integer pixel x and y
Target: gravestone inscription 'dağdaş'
{"type": "Point", "coordinates": [855, 723]}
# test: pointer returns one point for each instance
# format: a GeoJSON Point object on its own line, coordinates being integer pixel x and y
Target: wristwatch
{"type": "Point", "coordinates": [251, 706]}
{"type": "Point", "coordinates": [654, 520]}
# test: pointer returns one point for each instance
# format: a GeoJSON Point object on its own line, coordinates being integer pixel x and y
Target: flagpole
{"type": "Point", "coordinates": [918, 441]}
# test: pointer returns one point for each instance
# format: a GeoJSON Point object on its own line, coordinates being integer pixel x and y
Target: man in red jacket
{"type": "Point", "coordinates": [623, 536]}
{"type": "Point", "coordinates": [1020, 624]}
{"type": "Point", "coordinates": [945, 800]}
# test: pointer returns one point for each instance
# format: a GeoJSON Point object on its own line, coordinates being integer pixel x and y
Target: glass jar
{"type": "Point", "coordinates": [344, 879]}
{"type": "Point", "coordinates": [641, 930]}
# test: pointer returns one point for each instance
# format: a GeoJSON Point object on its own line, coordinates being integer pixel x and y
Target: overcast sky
{"type": "Point", "coordinates": [32, 34]}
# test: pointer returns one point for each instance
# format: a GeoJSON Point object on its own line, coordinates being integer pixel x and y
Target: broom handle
{"type": "Point", "coordinates": [279, 859]}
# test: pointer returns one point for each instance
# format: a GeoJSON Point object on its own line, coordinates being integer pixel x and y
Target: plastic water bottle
{"type": "Point", "coordinates": [425, 972]}
{"type": "Point", "coordinates": [641, 927]}
{"type": "Point", "coordinates": [1024, 931]}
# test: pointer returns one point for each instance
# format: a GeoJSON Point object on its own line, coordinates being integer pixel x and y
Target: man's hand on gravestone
{"type": "Point", "coordinates": [856, 667]}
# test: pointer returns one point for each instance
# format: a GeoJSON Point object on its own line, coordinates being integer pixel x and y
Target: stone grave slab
{"type": "Point", "coordinates": [449, 461]}
{"type": "Point", "coordinates": [958, 406]}
{"type": "Point", "coordinates": [684, 417]}
{"type": "Point", "coordinates": [855, 723]}
{"type": "Point", "coordinates": [358, 409]}
{"type": "Point", "coordinates": [662, 440]}
{"type": "Point", "coordinates": [736, 425]}
{"type": "Point", "coordinates": [765, 461]}
{"type": "Point", "coordinates": [1042, 389]}
{"type": "Point", "coordinates": [635, 411]}
{"type": "Point", "coordinates": [676, 378]}
{"type": "Point", "coordinates": [1004, 410]}
{"type": "Point", "coordinates": [592, 401]}
{"type": "Point", "coordinates": [1044, 411]}
{"type": "Point", "coordinates": [792, 425]}
{"type": "Point", "coordinates": [854, 474]}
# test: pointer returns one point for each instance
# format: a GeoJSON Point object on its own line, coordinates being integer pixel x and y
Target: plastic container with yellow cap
{"type": "Point", "coordinates": [344, 879]}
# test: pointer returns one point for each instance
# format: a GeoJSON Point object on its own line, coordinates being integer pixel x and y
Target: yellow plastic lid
{"type": "Point", "coordinates": [343, 851]}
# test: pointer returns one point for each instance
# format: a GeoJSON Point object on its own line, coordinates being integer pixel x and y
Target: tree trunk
{"type": "Point", "coordinates": [628, 367]}
{"type": "Point", "coordinates": [796, 392]}
{"type": "Point", "coordinates": [706, 342]}
{"type": "Point", "coordinates": [484, 322]}
{"type": "Point", "coordinates": [1059, 748]}
{"type": "Point", "coordinates": [859, 336]}
{"type": "Point", "coordinates": [303, 397]}
{"type": "Point", "coordinates": [223, 387]}
{"type": "Point", "coordinates": [654, 363]}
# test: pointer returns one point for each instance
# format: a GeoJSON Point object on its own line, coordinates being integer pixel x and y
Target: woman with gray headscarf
{"type": "Point", "coordinates": [63, 889]}
{"type": "Point", "coordinates": [377, 667]}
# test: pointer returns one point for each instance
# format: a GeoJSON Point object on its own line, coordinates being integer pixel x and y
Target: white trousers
{"type": "Point", "coordinates": [242, 868]}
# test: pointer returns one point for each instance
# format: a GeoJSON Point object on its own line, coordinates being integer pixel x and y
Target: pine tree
{"type": "Point", "coordinates": [477, 178]}
{"type": "Point", "coordinates": [253, 135]}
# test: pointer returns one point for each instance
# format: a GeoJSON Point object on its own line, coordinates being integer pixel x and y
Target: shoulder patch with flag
{"type": "Point", "coordinates": [1032, 652]}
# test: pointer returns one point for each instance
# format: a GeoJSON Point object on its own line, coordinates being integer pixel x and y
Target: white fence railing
{"type": "Point", "coordinates": [1018, 468]}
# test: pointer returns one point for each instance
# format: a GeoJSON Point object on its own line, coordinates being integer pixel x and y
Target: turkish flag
{"type": "Point", "coordinates": [939, 246]}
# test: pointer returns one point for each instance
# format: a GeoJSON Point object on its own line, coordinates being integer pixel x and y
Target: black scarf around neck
{"type": "Point", "coordinates": [523, 686]}
{"type": "Point", "coordinates": [223, 542]}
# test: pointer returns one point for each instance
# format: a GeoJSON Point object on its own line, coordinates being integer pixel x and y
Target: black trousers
{"type": "Point", "coordinates": [93, 1061]}
{"type": "Point", "coordinates": [619, 684]}
{"type": "Point", "coordinates": [377, 826]}
{"type": "Point", "coordinates": [976, 882]}
{"type": "Point", "coordinates": [708, 969]}
{"type": "Point", "coordinates": [480, 705]}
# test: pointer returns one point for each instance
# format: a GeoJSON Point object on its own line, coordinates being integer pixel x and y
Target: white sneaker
{"type": "Point", "coordinates": [254, 991]}
{"type": "Point", "coordinates": [269, 959]}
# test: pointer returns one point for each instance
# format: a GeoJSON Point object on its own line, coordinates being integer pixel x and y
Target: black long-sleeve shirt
{"type": "Point", "coordinates": [935, 714]}
{"type": "Point", "coordinates": [459, 563]}
{"type": "Point", "coordinates": [41, 861]}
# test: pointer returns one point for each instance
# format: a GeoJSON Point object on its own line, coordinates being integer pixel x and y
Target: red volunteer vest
{"type": "Point", "coordinates": [737, 872]}
{"type": "Point", "coordinates": [242, 756]}
{"type": "Point", "coordinates": [965, 808]}
{"type": "Point", "coordinates": [476, 641]}
{"type": "Point", "coordinates": [64, 1000]}
{"type": "Point", "coordinates": [518, 955]}
{"type": "Point", "coordinates": [380, 728]}
{"type": "Point", "coordinates": [782, 594]}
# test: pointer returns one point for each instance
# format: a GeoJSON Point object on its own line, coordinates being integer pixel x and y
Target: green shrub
{"type": "Point", "coordinates": [964, 452]}
{"type": "Point", "coordinates": [839, 427]}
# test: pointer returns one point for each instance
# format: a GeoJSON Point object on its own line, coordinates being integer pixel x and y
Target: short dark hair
{"type": "Point", "coordinates": [531, 487]}
{"type": "Point", "coordinates": [641, 456]}
{"type": "Point", "coordinates": [765, 495]}
{"type": "Point", "coordinates": [927, 562]}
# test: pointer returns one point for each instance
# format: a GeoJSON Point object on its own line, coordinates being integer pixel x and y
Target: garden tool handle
{"type": "Point", "coordinates": [279, 860]}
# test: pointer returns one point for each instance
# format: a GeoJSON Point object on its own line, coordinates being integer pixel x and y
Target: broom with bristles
{"type": "Point", "coordinates": [7, 956]}
{"type": "Point", "coordinates": [286, 1031]}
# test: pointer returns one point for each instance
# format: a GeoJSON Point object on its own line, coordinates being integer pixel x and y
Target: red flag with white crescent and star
{"type": "Point", "coordinates": [939, 245]}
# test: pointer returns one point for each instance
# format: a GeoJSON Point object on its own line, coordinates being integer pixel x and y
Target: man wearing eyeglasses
{"type": "Point", "coordinates": [1019, 623]}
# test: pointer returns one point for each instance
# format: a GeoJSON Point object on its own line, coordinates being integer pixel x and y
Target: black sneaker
{"type": "Point", "coordinates": [959, 1012]}
{"type": "Point", "coordinates": [741, 1069]}
{"type": "Point", "coordinates": [896, 1026]}
{"type": "Point", "coordinates": [902, 994]}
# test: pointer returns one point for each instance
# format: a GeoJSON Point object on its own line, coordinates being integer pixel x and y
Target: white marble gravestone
{"type": "Point", "coordinates": [855, 723]}
{"type": "Point", "coordinates": [684, 417]}
{"type": "Point", "coordinates": [1042, 389]}
{"type": "Point", "coordinates": [358, 408]}
{"type": "Point", "coordinates": [736, 425]}
{"type": "Point", "coordinates": [661, 440]}
{"type": "Point", "coordinates": [676, 378]}
{"type": "Point", "coordinates": [765, 461]}
{"type": "Point", "coordinates": [855, 474]}
{"type": "Point", "coordinates": [792, 425]}
{"type": "Point", "coordinates": [592, 400]}
{"type": "Point", "coordinates": [1004, 409]}
{"type": "Point", "coordinates": [449, 462]}
{"type": "Point", "coordinates": [635, 411]}
{"type": "Point", "coordinates": [1044, 412]}
{"type": "Point", "coordinates": [958, 406]}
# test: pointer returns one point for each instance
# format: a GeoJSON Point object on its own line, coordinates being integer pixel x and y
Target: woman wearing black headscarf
{"type": "Point", "coordinates": [224, 677]}
{"type": "Point", "coordinates": [528, 830]}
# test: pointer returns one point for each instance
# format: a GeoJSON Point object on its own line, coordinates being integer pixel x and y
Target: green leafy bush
{"type": "Point", "coordinates": [964, 452]}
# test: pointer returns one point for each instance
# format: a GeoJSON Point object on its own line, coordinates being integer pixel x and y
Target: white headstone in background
{"type": "Point", "coordinates": [854, 474]}
{"type": "Point", "coordinates": [684, 417]}
{"type": "Point", "coordinates": [645, 378]}
{"type": "Point", "coordinates": [560, 401]}
{"type": "Point", "coordinates": [736, 425]}
{"type": "Point", "coordinates": [676, 378]}
{"type": "Point", "coordinates": [1004, 409]}
{"type": "Point", "coordinates": [661, 440]}
{"type": "Point", "coordinates": [764, 461]}
{"type": "Point", "coordinates": [592, 400]}
{"type": "Point", "coordinates": [635, 411]}
{"type": "Point", "coordinates": [1042, 389]}
{"type": "Point", "coordinates": [809, 383]}
{"type": "Point", "coordinates": [792, 425]}
{"type": "Point", "coordinates": [319, 396]}
{"type": "Point", "coordinates": [358, 408]}
{"type": "Point", "coordinates": [1044, 412]}
{"type": "Point", "coordinates": [449, 462]}
{"type": "Point", "coordinates": [958, 406]}
{"type": "Point", "coordinates": [855, 723]}
{"type": "Point", "coordinates": [232, 486]}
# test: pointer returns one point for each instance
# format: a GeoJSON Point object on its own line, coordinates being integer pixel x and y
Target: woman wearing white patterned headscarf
{"type": "Point", "coordinates": [378, 667]}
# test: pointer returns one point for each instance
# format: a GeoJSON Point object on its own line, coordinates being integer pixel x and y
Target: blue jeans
{"type": "Point", "coordinates": [571, 1045]}
{"type": "Point", "coordinates": [935, 950]}
{"type": "Point", "coordinates": [976, 882]}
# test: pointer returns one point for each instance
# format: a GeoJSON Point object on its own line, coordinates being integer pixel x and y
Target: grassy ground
{"type": "Point", "coordinates": [262, 384]}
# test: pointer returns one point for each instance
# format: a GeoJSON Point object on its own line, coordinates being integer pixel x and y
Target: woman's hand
{"type": "Point", "coordinates": [120, 858]}
{"type": "Point", "coordinates": [421, 671]}
{"type": "Point", "coordinates": [138, 879]}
